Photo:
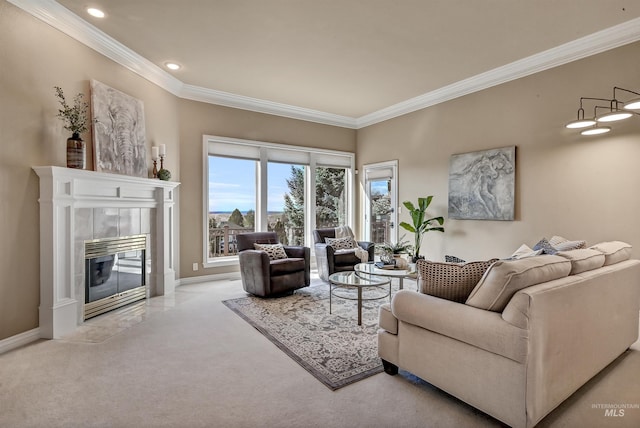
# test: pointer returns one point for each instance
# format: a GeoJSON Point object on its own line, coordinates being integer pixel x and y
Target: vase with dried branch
{"type": "Point", "coordinates": [75, 120]}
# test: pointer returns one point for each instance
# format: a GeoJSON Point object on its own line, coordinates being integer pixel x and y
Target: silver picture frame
{"type": "Point", "coordinates": [119, 144]}
{"type": "Point", "coordinates": [482, 185]}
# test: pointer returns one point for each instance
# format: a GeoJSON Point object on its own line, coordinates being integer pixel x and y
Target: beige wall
{"type": "Point", "coordinates": [566, 184]}
{"type": "Point", "coordinates": [198, 119]}
{"type": "Point", "coordinates": [34, 57]}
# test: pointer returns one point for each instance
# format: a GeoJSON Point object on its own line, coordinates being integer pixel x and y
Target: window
{"type": "Point", "coordinates": [285, 202]}
{"type": "Point", "coordinates": [331, 197]}
{"type": "Point", "coordinates": [232, 203]}
{"type": "Point", "coordinates": [252, 185]}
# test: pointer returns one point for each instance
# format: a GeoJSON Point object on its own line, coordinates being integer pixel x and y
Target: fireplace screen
{"type": "Point", "coordinates": [114, 273]}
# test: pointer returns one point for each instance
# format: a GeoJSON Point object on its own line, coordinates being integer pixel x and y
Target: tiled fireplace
{"type": "Point", "coordinates": [77, 206]}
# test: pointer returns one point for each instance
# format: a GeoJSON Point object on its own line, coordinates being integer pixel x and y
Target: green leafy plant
{"type": "Point", "coordinates": [400, 247]}
{"type": "Point", "coordinates": [75, 116]}
{"type": "Point", "coordinates": [421, 225]}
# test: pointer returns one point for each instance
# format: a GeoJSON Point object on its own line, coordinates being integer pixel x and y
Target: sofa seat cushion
{"type": "Point", "coordinates": [483, 329]}
{"type": "Point", "coordinates": [286, 266]}
{"type": "Point", "coordinates": [583, 259]}
{"type": "Point", "coordinates": [614, 251]}
{"type": "Point", "coordinates": [451, 281]}
{"type": "Point", "coordinates": [505, 277]}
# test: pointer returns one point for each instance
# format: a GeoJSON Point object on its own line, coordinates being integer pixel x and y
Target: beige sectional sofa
{"type": "Point", "coordinates": [530, 334]}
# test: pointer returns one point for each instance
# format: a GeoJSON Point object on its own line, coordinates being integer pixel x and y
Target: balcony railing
{"type": "Point", "coordinates": [222, 241]}
{"type": "Point", "coordinates": [380, 231]}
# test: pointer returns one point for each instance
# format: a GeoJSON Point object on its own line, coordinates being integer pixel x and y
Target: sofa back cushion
{"type": "Point", "coordinates": [505, 277]}
{"type": "Point", "coordinates": [614, 251]}
{"type": "Point", "coordinates": [583, 259]}
{"type": "Point", "coordinates": [451, 281]}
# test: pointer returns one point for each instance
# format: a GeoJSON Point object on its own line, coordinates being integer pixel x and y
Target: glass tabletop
{"type": "Point", "coordinates": [371, 269]}
{"type": "Point", "coordinates": [351, 279]}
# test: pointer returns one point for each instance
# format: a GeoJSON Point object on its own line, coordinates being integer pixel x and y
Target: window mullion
{"type": "Point", "coordinates": [310, 202]}
{"type": "Point", "coordinates": [261, 196]}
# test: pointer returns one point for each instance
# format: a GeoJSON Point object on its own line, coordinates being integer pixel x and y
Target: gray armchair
{"type": "Point", "coordinates": [330, 261]}
{"type": "Point", "coordinates": [264, 277]}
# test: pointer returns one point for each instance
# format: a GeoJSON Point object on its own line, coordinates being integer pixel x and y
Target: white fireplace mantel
{"type": "Point", "coordinates": [62, 191]}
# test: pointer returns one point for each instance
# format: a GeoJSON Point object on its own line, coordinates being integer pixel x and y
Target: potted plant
{"type": "Point", "coordinates": [391, 252]}
{"type": "Point", "coordinates": [400, 247]}
{"type": "Point", "coordinates": [75, 120]}
{"type": "Point", "coordinates": [421, 225]}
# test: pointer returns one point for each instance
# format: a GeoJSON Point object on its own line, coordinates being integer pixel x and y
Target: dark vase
{"type": "Point", "coordinates": [416, 258]}
{"type": "Point", "coordinates": [76, 154]}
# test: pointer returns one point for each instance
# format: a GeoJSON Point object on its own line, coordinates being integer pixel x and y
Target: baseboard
{"type": "Point", "coordinates": [19, 340]}
{"type": "Point", "coordinates": [207, 278]}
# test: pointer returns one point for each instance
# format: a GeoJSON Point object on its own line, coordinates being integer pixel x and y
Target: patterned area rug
{"type": "Point", "coordinates": [332, 347]}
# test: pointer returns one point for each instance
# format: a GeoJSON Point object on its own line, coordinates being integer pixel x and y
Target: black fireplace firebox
{"type": "Point", "coordinates": [114, 273]}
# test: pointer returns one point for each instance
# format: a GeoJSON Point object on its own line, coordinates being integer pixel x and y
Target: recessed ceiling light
{"type": "Point", "coordinates": [97, 13]}
{"type": "Point", "coordinates": [172, 65]}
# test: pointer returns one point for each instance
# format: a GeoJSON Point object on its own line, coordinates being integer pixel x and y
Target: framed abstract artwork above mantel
{"type": "Point", "coordinates": [118, 132]}
{"type": "Point", "coordinates": [482, 185]}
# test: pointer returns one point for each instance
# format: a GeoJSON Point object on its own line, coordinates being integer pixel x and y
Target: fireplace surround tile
{"type": "Point", "coordinates": [84, 223]}
{"type": "Point", "coordinates": [145, 220]}
{"type": "Point", "coordinates": [129, 221]}
{"type": "Point", "coordinates": [105, 222]}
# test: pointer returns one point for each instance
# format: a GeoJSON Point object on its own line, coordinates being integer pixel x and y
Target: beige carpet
{"type": "Point", "coordinates": [191, 362]}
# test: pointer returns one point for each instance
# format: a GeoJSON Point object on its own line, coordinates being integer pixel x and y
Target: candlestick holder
{"type": "Point", "coordinates": [162, 161]}
{"type": "Point", "coordinates": [155, 168]}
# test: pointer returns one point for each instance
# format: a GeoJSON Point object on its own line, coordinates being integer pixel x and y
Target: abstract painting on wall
{"type": "Point", "coordinates": [482, 185]}
{"type": "Point", "coordinates": [118, 132]}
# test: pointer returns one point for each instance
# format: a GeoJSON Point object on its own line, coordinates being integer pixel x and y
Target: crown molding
{"type": "Point", "coordinates": [64, 20]}
{"type": "Point", "coordinates": [72, 25]}
{"type": "Point", "coordinates": [609, 38]}
{"type": "Point", "coordinates": [212, 96]}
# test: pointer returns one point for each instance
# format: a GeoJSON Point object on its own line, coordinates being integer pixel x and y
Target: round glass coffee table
{"type": "Point", "coordinates": [342, 280]}
{"type": "Point", "coordinates": [369, 270]}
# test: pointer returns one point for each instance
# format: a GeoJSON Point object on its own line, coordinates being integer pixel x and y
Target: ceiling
{"type": "Point", "coordinates": [354, 58]}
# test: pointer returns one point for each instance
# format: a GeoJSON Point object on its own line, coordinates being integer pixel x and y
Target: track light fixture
{"type": "Point", "coordinates": [616, 110]}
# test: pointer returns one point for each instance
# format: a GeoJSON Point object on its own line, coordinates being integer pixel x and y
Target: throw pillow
{"type": "Point", "coordinates": [563, 244]}
{"type": "Point", "coordinates": [570, 245]}
{"type": "Point", "coordinates": [453, 259]}
{"type": "Point", "coordinates": [506, 277]}
{"type": "Point", "coordinates": [555, 240]}
{"type": "Point", "coordinates": [340, 243]}
{"type": "Point", "coordinates": [451, 281]}
{"type": "Point", "coordinates": [523, 252]}
{"type": "Point", "coordinates": [274, 251]}
{"type": "Point", "coordinates": [545, 246]}
{"type": "Point", "coordinates": [614, 251]}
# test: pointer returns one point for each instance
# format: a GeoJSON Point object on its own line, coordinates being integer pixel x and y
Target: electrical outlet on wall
{"type": "Point", "coordinates": [195, 266]}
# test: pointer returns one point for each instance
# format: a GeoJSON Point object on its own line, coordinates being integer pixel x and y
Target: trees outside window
{"type": "Point", "coordinates": [262, 186]}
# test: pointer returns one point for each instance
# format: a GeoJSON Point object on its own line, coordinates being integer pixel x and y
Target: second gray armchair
{"type": "Point", "coordinates": [330, 260]}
